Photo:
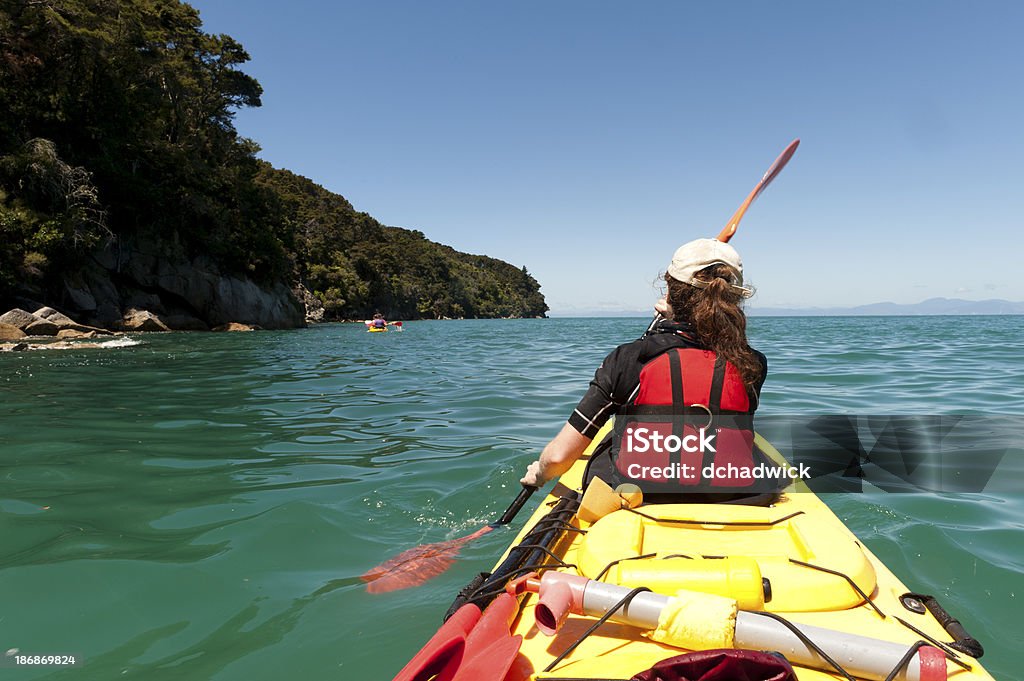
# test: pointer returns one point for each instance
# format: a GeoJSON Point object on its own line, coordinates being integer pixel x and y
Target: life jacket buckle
{"type": "Point", "coordinates": [711, 417]}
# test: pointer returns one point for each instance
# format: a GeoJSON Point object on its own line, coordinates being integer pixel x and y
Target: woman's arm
{"type": "Point", "coordinates": [613, 381]}
{"type": "Point", "coordinates": [558, 456]}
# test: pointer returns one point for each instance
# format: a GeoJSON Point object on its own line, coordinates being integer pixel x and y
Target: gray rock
{"type": "Point", "coordinates": [29, 323]}
{"type": "Point", "coordinates": [75, 333]}
{"type": "Point", "coordinates": [64, 322]}
{"type": "Point", "coordinates": [235, 326]}
{"type": "Point", "coordinates": [54, 316]}
{"type": "Point", "coordinates": [81, 297]}
{"type": "Point", "coordinates": [161, 279]}
{"type": "Point", "coordinates": [107, 315]}
{"type": "Point", "coordinates": [18, 317]}
{"type": "Point", "coordinates": [142, 320]}
{"type": "Point", "coordinates": [42, 327]}
{"type": "Point", "coordinates": [314, 306]}
{"type": "Point", "coordinates": [10, 332]}
{"type": "Point", "coordinates": [27, 303]}
{"type": "Point", "coordinates": [184, 322]}
{"type": "Point", "coordinates": [141, 300]}
{"type": "Point", "coordinates": [103, 289]}
{"type": "Point", "coordinates": [215, 297]}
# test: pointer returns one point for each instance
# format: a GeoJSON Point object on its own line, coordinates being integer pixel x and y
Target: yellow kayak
{"type": "Point", "coordinates": [624, 588]}
{"type": "Point", "coordinates": [373, 329]}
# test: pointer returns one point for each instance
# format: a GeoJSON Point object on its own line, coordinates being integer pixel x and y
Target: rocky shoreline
{"type": "Point", "coordinates": [48, 328]}
{"type": "Point", "coordinates": [145, 285]}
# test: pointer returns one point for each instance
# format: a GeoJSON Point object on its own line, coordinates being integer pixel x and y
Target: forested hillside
{"type": "Point", "coordinates": [119, 160]}
{"type": "Point", "coordinates": [355, 264]}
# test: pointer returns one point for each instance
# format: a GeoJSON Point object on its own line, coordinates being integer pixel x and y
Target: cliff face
{"type": "Point", "coordinates": [184, 294]}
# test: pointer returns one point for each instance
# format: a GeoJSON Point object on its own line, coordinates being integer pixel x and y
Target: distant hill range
{"type": "Point", "coordinates": [932, 306]}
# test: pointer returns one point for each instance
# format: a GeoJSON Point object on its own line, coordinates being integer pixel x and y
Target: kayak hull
{"type": "Point", "coordinates": [816, 575]}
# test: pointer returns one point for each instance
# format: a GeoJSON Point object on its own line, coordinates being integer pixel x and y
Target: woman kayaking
{"type": "Point", "coordinates": [694, 362]}
{"type": "Point", "coordinates": [378, 324]}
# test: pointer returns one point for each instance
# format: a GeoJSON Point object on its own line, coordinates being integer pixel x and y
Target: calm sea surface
{"type": "Point", "coordinates": [200, 506]}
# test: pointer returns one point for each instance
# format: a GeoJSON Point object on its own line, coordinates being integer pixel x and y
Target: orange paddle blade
{"type": "Point", "coordinates": [773, 171]}
{"type": "Point", "coordinates": [417, 565]}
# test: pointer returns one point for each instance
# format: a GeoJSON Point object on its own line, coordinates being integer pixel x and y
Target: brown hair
{"type": "Point", "coordinates": [715, 312]}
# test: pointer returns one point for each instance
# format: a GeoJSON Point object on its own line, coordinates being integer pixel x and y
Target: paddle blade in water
{"type": "Point", "coordinates": [417, 565]}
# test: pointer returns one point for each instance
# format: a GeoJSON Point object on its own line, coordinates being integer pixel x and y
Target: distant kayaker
{"type": "Point", "coordinates": [695, 360]}
{"type": "Point", "coordinates": [378, 321]}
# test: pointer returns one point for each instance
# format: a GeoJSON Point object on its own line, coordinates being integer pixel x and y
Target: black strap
{"type": "Point", "coordinates": [675, 370]}
{"type": "Point", "coordinates": [715, 402]}
{"type": "Point", "coordinates": [717, 384]}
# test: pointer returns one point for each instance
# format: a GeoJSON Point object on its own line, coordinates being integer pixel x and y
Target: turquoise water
{"type": "Point", "coordinates": [200, 506]}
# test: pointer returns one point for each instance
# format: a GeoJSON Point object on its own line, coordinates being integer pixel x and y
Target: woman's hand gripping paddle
{"type": "Point", "coordinates": [419, 564]}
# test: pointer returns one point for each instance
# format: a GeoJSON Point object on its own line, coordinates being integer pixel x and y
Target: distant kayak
{"type": "Point", "coordinates": [381, 329]}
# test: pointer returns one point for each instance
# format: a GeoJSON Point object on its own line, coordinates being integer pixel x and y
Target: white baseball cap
{"type": "Point", "coordinates": [699, 254]}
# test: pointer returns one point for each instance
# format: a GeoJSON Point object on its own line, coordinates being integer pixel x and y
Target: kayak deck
{"type": "Point", "coordinates": [819, 573]}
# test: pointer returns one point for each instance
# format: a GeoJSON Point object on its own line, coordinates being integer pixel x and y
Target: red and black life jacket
{"type": "Point", "coordinates": [682, 390]}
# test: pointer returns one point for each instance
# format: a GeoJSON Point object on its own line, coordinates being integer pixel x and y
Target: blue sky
{"type": "Point", "coordinates": [587, 140]}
